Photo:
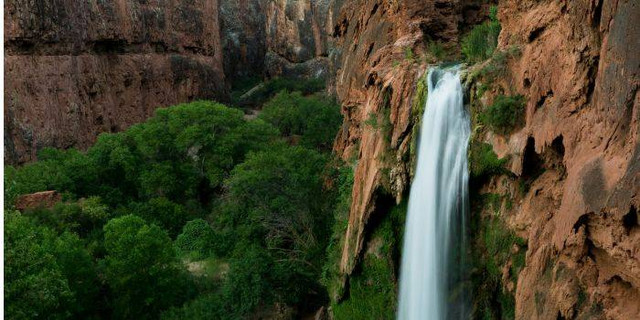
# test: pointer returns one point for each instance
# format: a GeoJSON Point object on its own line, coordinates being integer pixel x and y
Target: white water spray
{"type": "Point", "coordinates": [432, 273]}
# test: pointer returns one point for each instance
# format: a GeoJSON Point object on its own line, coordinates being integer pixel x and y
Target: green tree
{"type": "Point", "coordinates": [162, 212]}
{"type": "Point", "coordinates": [482, 40]}
{"type": "Point", "coordinates": [315, 118]}
{"type": "Point", "coordinates": [250, 282]}
{"type": "Point", "coordinates": [276, 201]}
{"type": "Point", "coordinates": [78, 268]}
{"type": "Point", "coordinates": [140, 268]}
{"type": "Point", "coordinates": [83, 216]}
{"type": "Point", "coordinates": [35, 287]}
{"type": "Point", "coordinates": [68, 170]}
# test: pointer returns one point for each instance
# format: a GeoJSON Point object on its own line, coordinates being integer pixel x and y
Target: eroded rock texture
{"type": "Point", "coordinates": [579, 149]}
{"type": "Point", "coordinates": [76, 68]}
{"type": "Point", "coordinates": [276, 38]}
{"type": "Point", "coordinates": [381, 54]}
{"type": "Point", "coordinates": [579, 70]}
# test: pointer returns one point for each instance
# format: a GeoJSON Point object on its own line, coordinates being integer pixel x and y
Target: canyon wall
{"type": "Point", "coordinates": [74, 69]}
{"type": "Point", "coordinates": [276, 38]}
{"type": "Point", "coordinates": [576, 63]}
{"type": "Point", "coordinates": [383, 52]}
{"type": "Point", "coordinates": [579, 71]}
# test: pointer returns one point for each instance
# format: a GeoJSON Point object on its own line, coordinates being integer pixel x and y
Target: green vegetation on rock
{"type": "Point", "coordinates": [481, 41]}
{"type": "Point", "coordinates": [505, 114]}
{"type": "Point", "coordinates": [494, 247]}
{"type": "Point", "coordinates": [373, 288]}
{"type": "Point", "coordinates": [483, 162]}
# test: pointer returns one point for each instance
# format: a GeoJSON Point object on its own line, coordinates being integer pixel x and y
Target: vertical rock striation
{"type": "Point", "coordinates": [579, 70]}
{"type": "Point", "coordinates": [276, 38]}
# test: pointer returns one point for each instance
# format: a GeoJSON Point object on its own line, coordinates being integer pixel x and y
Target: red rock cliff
{"type": "Point", "coordinates": [76, 68]}
{"type": "Point", "coordinates": [382, 54]}
{"type": "Point", "coordinates": [578, 69]}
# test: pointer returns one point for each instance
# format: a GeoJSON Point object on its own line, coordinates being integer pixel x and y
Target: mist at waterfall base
{"type": "Point", "coordinates": [433, 268]}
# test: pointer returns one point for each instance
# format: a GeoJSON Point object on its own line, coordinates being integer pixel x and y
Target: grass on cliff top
{"type": "Point", "coordinates": [482, 40]}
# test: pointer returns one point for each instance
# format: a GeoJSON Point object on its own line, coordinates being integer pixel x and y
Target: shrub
{"type": "Point", "coordinates": [196, 239]}
{"type": "Point", "coordinates": [408, 53]}
{"type": "Point", "coordinates": [271, 87]}
{"type": "Point", "coordinates": [482, 40]}
{"type": "Point", "coordinates": [373, 288]}
{"type": "Point", "coordinates": [331, 273]}
{"type": "Point", "coordinates": [483, 162]}
{"type": "Point", "coordinates": [437, 50]}
{"type": "Point", "coordinates": [505, 114]}
{"type": "Point", "coordinates": [372, 293]}
{"type": "Point", "coordinates": [496, 242]}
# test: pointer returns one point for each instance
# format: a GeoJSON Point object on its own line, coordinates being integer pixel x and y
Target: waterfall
{"type": "Point", "coordinates": [432, 273]}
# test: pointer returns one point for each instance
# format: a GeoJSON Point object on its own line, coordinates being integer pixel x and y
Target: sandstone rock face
{"type": "Point", "coordinates": [381, 53]}
{"type": "Point", "coordinates": [578, 69]}
{"type": "Point", "coordinates": [276, 38]}
{"type": "Point", "coordinates": [76, 68]}
{"type": "Point", "coordinates": [44, 199]}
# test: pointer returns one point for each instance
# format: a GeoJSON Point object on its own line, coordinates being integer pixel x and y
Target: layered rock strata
{"type": "Point", "coordinates": [74, 69]}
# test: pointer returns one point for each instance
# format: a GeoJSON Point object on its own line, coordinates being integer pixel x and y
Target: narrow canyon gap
{"type": "Point", "coordinates": [433, 261]}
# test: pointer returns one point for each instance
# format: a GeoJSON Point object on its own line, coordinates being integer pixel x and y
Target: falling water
{"type": "Point", "coordinates": [432, 272]}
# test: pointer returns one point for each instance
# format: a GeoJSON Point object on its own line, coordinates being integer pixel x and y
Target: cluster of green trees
{"type": "Point", "coordinates": [196, 185]}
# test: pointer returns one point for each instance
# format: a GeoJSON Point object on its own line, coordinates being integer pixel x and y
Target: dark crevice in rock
{"type": "Point", "coordinates": [108, 46]}
{"type": "Point", "coordinates": [630, 220]}
{"type": "Point", "coordinates": [543, 99]}
{"type": "Point", "coordinates": [370, 50]}
{"type": "Point", "coordinates": [341, 28]}
{"type": "Point", "coordinates": [591, 76]}
{"type": "Point", "coordinates": [554, 157]}
{"type": "Point", "coordinates": [557, 146]}
{"type": "Point", "coordinates": [582, 221]}
{"type": "Point", "coordinates": [23, 47]}
{"type": "Point", "coordinates": [535, 33]}
{"type": "Point", "coordinates": [532, 165]}
{"type": "Point", "coordinates": [443, 4]}
{"type": "Point", "coordinates": [375, 9]}
{"type": "Point", "coordinates": [590, 249]}
{"type": "Point", "coordinates": [597, 14]}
